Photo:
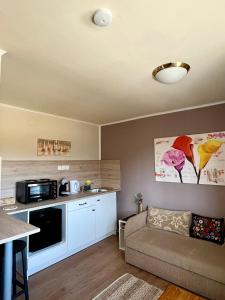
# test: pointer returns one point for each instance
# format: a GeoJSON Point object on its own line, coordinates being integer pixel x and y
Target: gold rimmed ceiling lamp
{"type": "Point", "coordinates": [171, 72]}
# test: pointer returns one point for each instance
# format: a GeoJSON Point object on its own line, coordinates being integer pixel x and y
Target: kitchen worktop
{"type": "Point", "coordinates": [12, 228]}
{"type": "Point", "coordinates": [60, 200]}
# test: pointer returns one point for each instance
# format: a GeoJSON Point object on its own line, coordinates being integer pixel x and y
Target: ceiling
{"type": "Point", "coordinates": [60, 63]}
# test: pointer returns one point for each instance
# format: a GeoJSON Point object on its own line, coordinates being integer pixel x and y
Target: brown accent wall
{"type": "Point", "coordinates": [132, 143]}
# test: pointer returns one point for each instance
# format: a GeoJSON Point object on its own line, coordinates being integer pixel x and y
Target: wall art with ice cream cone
{"type": "Point", "coordinates": [198, 158]}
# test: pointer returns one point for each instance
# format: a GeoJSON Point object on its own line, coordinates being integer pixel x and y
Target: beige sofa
{"type": "Point", "coordinates": [194, 264]}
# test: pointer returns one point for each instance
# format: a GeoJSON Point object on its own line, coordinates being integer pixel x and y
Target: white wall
{"type": "Point", "coordinates": [19, 130]}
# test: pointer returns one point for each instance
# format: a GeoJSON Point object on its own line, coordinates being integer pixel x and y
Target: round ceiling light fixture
{"type": "Point", "coordinates": [102, 17]}
{"type": "Point", "coordinates": [171, 72]}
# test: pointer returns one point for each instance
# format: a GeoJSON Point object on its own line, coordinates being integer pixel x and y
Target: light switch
{"type": "Point", "coordinates": [59, 168]}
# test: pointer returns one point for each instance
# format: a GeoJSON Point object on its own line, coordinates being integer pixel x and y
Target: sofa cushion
{"type": "Point", "coordinates": [171, 220]}
{"type": "Point", "coordinates": [198, 256]}
{"type": "Point", "coordinates": [205, 228]}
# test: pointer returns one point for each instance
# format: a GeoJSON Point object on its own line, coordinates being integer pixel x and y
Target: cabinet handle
{"type": "Point", "coordinates": [82, 203]}
{"type": "Point", "coordinates": [93, 209]}
{"type": "Point", "coordinates": [98, 200]}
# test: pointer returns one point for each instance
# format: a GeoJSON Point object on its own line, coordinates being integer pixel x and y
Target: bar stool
{"type": "Point", "coordinates": [1, 273]}
{"type": "Point", "coordinates": [19, 246]}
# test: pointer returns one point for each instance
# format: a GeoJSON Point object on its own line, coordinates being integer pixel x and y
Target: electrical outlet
{"type": "Point", "coordinates": [64, 167]}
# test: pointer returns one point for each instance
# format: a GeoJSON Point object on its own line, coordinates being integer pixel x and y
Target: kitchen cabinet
{"type": "Point", "coordinates": [81, 227]}
{"type": "Point", "coordinates": [85, 221]}
{"type": "Point", "coordinates": [91, 220]}
{"type": "Point", "coordinates": [105, 215]}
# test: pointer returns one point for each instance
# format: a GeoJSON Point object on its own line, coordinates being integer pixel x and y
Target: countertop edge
{"type": "Point", "coordinates": [7, 220]}
{"type": "Point", "coordinates": [52, 203]}
{"type": "Point", "coordinates": [14, 229]}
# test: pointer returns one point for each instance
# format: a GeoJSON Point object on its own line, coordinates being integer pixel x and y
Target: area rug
{"type": "Point", "coordinates": [129, 287]}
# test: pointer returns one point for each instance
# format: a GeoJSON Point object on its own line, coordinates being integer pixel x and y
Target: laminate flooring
{"type": "Point", "coordinates": [85, 274]}
{"type": "Point", "coordinates": [173, 292]}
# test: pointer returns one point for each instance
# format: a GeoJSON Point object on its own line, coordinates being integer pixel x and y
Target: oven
{"type": "Point", "coordinates": [36, 190]}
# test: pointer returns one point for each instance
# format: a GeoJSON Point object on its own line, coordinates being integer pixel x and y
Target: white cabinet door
{"type": "Point", "coordinates": [105, 215]}
{"type": "Point", "coordinates": [81, 227]}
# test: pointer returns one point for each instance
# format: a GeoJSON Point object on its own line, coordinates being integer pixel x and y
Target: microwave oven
{"type": "Point", "coordinates": [28, 191]}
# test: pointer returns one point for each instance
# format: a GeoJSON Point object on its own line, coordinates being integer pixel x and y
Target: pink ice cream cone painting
{"type": "Point", "coordinates": [175, 158]}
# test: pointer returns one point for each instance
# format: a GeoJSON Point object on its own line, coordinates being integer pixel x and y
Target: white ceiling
{"type": "Point", "coordinates": [60, 63]}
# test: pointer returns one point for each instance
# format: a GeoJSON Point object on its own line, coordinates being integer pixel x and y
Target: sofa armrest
{"type": "Point", "coordinates": [135, 223]}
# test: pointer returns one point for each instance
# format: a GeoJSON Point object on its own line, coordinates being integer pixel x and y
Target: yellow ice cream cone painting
{"type": "Point", "coordinates": [205, 152]}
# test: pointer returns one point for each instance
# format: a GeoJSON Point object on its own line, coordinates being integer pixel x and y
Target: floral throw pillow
{"type": "Point", "coordinates": [205, 228]}
{"type": "Point", "coordinates": [170, 220]}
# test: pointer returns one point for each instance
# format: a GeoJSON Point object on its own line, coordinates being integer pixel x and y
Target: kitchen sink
{"type": "Point", "coordinates": [97, 190]}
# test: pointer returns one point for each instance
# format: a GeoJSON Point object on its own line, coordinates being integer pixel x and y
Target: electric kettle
{"type": "Point", "coordinates": [74, 186]}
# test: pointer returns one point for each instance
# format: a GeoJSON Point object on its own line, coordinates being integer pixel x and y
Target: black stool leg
{"type": "Point", "coordinates": [24, 261]}
{"type": "Point", "coordinates": [1, 271]}
{"type": "Point", "coordinates": [14, 275]}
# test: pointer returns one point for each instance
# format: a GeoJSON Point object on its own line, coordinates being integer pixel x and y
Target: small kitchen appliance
{"type": "Point", "coordinates": [36, 190]}
{"type": "Point", "coordinates": [64, 187]}
{"type": "Point", "coordinates": [74, 186]}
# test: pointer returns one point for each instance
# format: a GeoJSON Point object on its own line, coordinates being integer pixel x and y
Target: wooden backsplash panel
{"type": "Point", "coordinates": [102, 173]}
{"type": "Point", "coordinates": [110, 173]}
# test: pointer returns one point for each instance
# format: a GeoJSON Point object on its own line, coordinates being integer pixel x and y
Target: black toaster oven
{"type": "Point", "coordinates": [36, 190]}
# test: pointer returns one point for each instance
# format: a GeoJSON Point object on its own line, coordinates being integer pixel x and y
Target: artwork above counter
{"type": "Point", "coordinates": [103, 173]}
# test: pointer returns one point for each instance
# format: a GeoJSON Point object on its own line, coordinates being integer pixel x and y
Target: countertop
{"type": "Point", "coordinates": [12, 228]}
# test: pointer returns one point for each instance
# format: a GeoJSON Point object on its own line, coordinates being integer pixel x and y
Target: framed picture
{"type": "Point", "coordinates": [198, 158]}
{"type": "Point", "coordinates": [47, 147]}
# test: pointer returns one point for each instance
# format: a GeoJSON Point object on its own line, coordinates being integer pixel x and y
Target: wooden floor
{"type": "Point", "coordinates": [173, 292]}
{"type": "Point", "coordinates": [85, 274]}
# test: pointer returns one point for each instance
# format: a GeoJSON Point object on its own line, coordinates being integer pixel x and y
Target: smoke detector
{"type": "Point", "coordinates": [102, 17]}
